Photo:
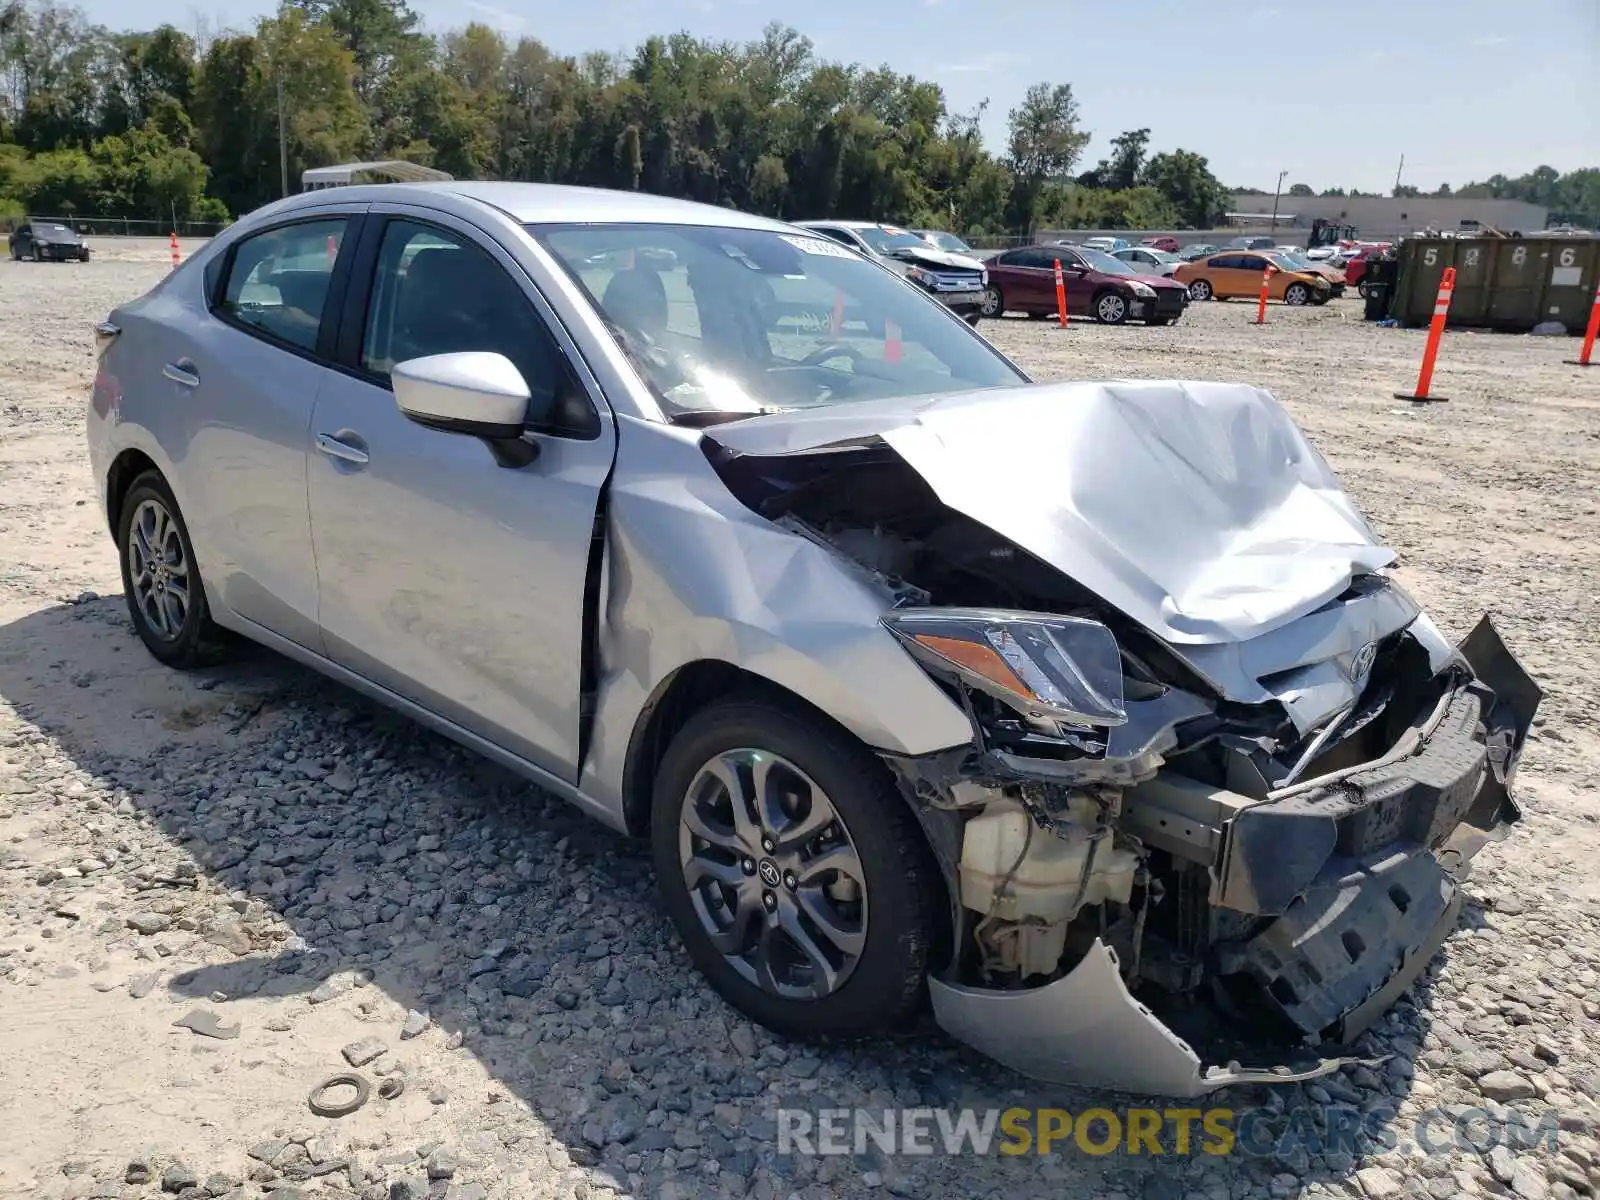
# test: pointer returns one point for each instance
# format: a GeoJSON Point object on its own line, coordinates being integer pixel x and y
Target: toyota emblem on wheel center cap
{"type": "Point", "coordinates": [770, 875]}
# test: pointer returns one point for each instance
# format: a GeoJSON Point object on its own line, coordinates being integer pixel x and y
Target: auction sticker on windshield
{"type": "Point", "coordinates": [816, 246]}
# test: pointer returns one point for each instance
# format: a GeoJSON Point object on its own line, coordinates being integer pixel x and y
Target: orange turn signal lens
{"type": "Point", "coordinates": [977, 658]}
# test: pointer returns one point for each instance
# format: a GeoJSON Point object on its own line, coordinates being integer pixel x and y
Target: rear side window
{"type": "Point", "coordinates": [278, 280]}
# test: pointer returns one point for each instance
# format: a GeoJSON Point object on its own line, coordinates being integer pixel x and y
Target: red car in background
{"type": "Point", "coordinates": [1098, 286]}
{"type": "Point", "coordinates": [1355, 267]}
{"type": "Point", "coordinates": [1163, 241]}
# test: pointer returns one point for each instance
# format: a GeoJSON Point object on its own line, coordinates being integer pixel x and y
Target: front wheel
{"type": "Point", "coordinates": [994, 304]}
{"type": "Point", "coordinates": [1200, 289]}
{"type": "Point", "coordinates": [793, 870]}
{"type": "Point", "coordinates": [1110, 308]}
{"type": "Point", "coordinates": [1159, 321]}
{"type": "Point", "coordinates": [1361, 290]}
{"type": "Point", "coordinates": [1297, 294]}
{"type": "Point", "coordinates": [161, 579]}
{"type": "Point", "coordinates": [971, 317]}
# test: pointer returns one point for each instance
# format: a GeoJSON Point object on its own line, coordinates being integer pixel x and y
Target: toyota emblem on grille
{"type": "Point", "coordinates": [1361, 664]}
{"type": "Point", "coordinates": [769, 873]}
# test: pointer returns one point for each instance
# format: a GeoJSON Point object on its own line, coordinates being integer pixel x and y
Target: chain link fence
{"type": "Point", "coordinates": [122, 226]}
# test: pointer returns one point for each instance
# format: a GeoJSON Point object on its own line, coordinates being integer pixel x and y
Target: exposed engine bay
{"type": "Point", "coordinates": [1261, 836]}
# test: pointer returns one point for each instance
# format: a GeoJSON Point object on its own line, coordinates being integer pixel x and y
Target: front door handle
{"type": "Point", "coordinates": [182, 372]}
{"type": "Point", "coordinates": [344, 451]}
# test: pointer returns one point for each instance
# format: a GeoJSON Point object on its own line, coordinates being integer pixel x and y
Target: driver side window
{"type": "Point", "coordinates": [437, 292]}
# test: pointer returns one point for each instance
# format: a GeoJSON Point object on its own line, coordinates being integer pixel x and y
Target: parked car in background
{"type": "Point", "coordinates": [924, 684]}
{"type": "Point", "coordinates": [1098, 285]}
{"type": "Point", "coordinates": [48, 241]}
{"type": "Point", "coordinates": [1237, 273]}
{"type": "Point", "coordinates": [1250, 243]}
{"type": "Point", "coordinates": [1355, 266]}
{"type": "Point", "coordinates": [1196, 250]}
{"type": "Point", "coordinates": [1105, 244]}
{"type": "Point", "coordinates": [1147, 260]}
{"type": "Point", "coordinates": [956, 280]}
{"type": "Point", "coordinates": [940, 240]}
{"type": "Point", "coordinates": [1164, 241]}
{"type": "Point", "coordinates": [1294, 260]}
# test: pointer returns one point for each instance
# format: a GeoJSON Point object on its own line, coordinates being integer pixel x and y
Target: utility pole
{"type": "Point", "coordinates": [1397, 172]}
{"type": "Point", "coordinates": [1278, 191]}
{"type": "Point", "coordinates": [283, 146]}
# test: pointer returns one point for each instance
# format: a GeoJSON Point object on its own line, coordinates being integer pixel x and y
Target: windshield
{"type": "Point", "coordinates": [751, 320]}
{"type": "Point", "coordinates": [1099, 260]}
{"type": "Point", "coordinates": [1293, 257]}
{"type": "Point", "coordinates": [950, 242]}
{"type": "Point", "coordinates": [886, 239]}
{"type": "Point", "coordinates": [1162, 256]}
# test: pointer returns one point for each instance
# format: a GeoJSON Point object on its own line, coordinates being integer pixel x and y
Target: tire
{"type": "Point", "coordinates": [1159, 321]}
{"type": "Point", "coordinates": [902, 904]}
{"type": "Point", "coordinates": [1110, 307]}
{"type": "Point", "coordinates": [1043, 316]}
{"type": "Point", "coordinates": [972, 317]}
{"type": "Point", "coordinates": [1200, 289]}
{"type": "Point", "coordinates": [994, 302]}
{"type": "Point", "coordinates": [191, 638]}
{"type": "Point", "coordinates": [1297, 294]}
{"type": "Point", "coordinates": [1361, 289]}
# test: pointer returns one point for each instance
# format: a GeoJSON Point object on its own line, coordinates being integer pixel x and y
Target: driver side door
{"type": "Point", "coordinates": [445, 578]}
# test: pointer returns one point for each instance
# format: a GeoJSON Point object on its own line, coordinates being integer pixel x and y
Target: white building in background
{"type": "Point", "coordinates": [1385, 216]}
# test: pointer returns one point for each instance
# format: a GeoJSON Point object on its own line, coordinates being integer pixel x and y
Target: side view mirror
{"type": "Point", "coordinates": [477, 393]}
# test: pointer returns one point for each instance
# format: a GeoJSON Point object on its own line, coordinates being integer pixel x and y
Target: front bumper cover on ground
{"type": "Point", "coordinates": [1358, 876]}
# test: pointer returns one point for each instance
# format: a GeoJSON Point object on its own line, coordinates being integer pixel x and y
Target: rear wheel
{"type": "Point", "coordinates": [794, 872]}
{"type": "Point", "coordinates": [1200, 289]}
{"type": "Point", "coordinates": [971, 317]}
{"type": "Point", "coordinates": [1361, 290]}
{"type": "Point", "coordinates": [1297, 294]}
{"type": "Point", "coordinates": [1159, 321]}
{"type": "Point", "coordinates": [994, 302]}
{"type": "Point", "coordinates": [161, 579]}
{"type": "Point", "coordinates": [1111, 308]}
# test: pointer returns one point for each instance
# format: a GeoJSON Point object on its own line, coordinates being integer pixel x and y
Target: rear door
{"type": "Point", "coordinates": [241, 387]}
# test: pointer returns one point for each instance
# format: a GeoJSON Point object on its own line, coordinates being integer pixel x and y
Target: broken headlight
{"type": "Point", "coordinates": [1063, 668]}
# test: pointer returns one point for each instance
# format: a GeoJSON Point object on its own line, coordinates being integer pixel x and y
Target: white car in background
{"type": "Point", "coordinates": [1149, 261]}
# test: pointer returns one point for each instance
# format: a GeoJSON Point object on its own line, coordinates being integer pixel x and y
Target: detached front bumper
{"type": "Point", "coordinates": [1352, 880]}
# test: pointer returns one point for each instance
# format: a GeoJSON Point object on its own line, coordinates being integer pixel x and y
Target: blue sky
{"type": "Point", "coordinates": [1332, 92]}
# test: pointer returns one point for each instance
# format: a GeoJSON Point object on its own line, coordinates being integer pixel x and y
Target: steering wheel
{"type": "Point", "coordinates": [832, 350]}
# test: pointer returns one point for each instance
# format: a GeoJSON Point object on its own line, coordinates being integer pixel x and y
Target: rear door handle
{"type": "Point", "coordinates": [344, 451]}
{"type": "Point", "coordinates": [182, 372]}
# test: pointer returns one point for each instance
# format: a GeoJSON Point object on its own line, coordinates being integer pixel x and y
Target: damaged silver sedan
{"type": "Point", "coordinates": [1086, 710]}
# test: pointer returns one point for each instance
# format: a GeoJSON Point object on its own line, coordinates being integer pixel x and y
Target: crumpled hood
{"type": "Point", "coordinates": [936, 258]}
{"type": "Point", "coordinates": [1198, 509]}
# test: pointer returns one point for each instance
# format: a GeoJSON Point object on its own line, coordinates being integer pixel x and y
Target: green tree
{"type": "Point", "coordinates": [1044, 144]}
{"type": "Point", "coordinates": [1185, 179]}
{"type": "Point", "coordinates": [1301, 189]}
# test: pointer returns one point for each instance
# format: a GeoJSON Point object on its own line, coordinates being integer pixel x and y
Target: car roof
{"type": "Point", "coordinates": [547, 203]}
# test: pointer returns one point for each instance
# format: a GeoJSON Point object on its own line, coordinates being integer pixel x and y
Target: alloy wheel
{"type": "Point", "coordinates": [772, 874]}
{"type": "Point", "coordinates": [991, 301]}
{"type": "Point", "coordinates": [1111, 308]}
{"type": "Point", "coordinates": [158, 569]}
{"type": "Point", "coordinates": [1200, 290]}
{"type": "Point", "coordinates": [1297, 294]}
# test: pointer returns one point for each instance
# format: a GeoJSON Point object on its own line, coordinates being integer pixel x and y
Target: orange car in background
{"type": "Point", "coordinates": [1230, 273]}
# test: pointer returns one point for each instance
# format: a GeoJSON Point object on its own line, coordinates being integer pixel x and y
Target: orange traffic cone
{"type": "Point", "coordinates": [172, 244]}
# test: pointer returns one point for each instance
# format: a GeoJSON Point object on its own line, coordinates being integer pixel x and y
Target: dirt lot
{"type": "Point", "coordinates": [267, 849]}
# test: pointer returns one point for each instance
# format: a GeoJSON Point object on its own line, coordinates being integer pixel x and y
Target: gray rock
{"type": "Point", "coordinates": [1505, 1086]}
{"type": "Point", "coordinates": [179, 1176]}
{"type": "Point", "coordinates": [149, 923]}
{"type": "Point", "coordinates": [416, 1025]}
{"type": "Point", "coordinates": [466, 1191]}
{"type": "Point", "coordinates": [138, 1172]}
{"type": "Point", "coordinates": [219, 1183]}
{"type": "Point", "coordinates": [442, 1164]}
{"type": "Point", "coordinates": [1379, 1183]}
{"type": "Point", "coordinates": [1528, 1180]}
{"type": "Point", "coordinates": [141, 986]}
{"type": "Point", "coordinates": [359, 1054]}
{"type": "Point", "coordinates": [408, 1187]}
{"type": "Point", "coordinates": [207, 1024]}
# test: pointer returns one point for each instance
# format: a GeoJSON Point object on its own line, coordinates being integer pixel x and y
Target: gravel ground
{"type": "Point", "coordinates": [263, 856]}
